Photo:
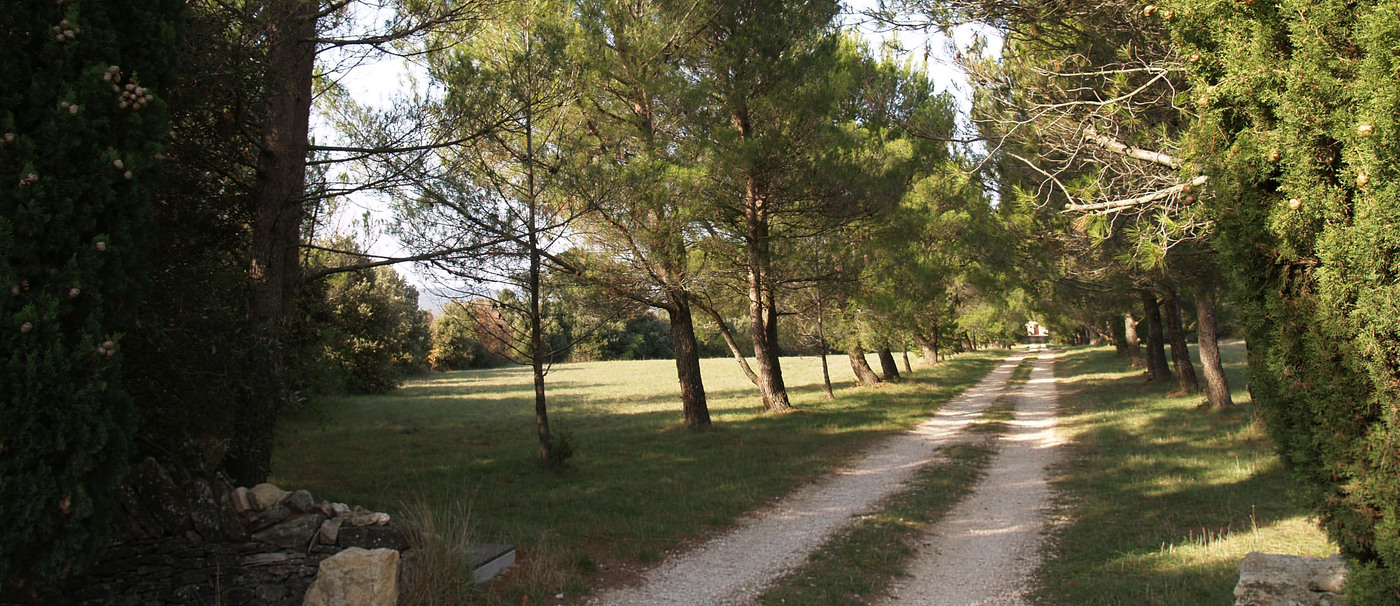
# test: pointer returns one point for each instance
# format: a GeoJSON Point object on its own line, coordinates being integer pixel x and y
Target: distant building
{"type": "Point", "coordinates": [1036, 334]}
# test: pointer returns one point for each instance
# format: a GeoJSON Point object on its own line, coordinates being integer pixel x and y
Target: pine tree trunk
{"type": "Point", "coordinates": [864, 374]}
{"type": "Point", "coordinates": [274, 271]}
{"type": "Point", "coordinates": [1217, 388]}
{"type": "Point", "coordinates": [1130, 338]}
{"type": "Point", "coordinates": [1176, 336]}
{"type": "Point", "coordinates": [728, 335]}
{"type": "Point", "coordinates": [887, 364]}
{"type": "Point", "coordinates": [930, 349]}
{"type": "Point", "coordinates": [537, 353]}
{"type": "Point", "coordinates": [763, 308]}
{"type": "Point", "coordinates": [693, 404]}
{"type": "Point", "coordinates": [907, 368]}
{"type": "Point", "coordinates": [821, 342]}
{"type": "Point", "coordinates": [826, 377]}
{"type": "Point", "coordinates": [1156, 347]}
{"type": "Point", "coordinates": [1119, 334]}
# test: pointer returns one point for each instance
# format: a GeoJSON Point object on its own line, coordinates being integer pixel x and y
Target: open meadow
{"type": "Point", "coordinates": [462, 444]}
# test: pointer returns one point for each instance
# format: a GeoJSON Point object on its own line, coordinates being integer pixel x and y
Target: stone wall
{"type": "Point", "coordinates": [198, 541]}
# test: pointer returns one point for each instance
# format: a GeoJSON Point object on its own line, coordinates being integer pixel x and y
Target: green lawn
{"type": "Point", "coordinates": [639, 484]}
{"type": "Point", "coordinates": [1161, 499]}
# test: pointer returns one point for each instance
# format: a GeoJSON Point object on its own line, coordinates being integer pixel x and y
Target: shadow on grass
{"type": "Point", "coordinates": [1150, 484]}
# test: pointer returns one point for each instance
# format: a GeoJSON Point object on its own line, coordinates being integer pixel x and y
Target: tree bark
{"type": "Point", "coordinates": [864, 374]}
{"type": "Point", "coordinates": [274, 270]}
{"type": "Point", "coordinates": [930, 349]}
{"type": "Point", "coordinates": [1134, 347]}
{"type": "Point", "coordinates": [1119, 334]}
{"type": "Point", "coordinates": [693, 404]}
{"type": "Point", "coordinates": [826, 377]}
{"type": "Point", "coordinates": [907, 368]}
{"type": "Point", "coordinates": [1176, 336]}
{"type": "Point", "coordinates": [1156, 350]}
{"type": "Point", "coordinates": [888, 368]}
{"type": "Point", "coordinates": [536, 320]}
{"type": "Point", "coordinates": [821, 343]}
{"type": "Point", "coordinates": [763, 307]}
{"type": "Point", "coordinates": [1217, 388]}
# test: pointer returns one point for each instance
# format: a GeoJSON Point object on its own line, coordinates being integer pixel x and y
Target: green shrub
{"type": "Point", "coordinates": [373, 333]}
{"type": "Point", "coordinates": [454, 342]}
{"type": "Point", "coordinates": [77, 168]}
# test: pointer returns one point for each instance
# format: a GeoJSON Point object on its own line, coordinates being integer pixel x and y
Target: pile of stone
{"type": "Point", "coordinates": [293, 520]}
{"type": "Point", "coordinates": [186, 540]}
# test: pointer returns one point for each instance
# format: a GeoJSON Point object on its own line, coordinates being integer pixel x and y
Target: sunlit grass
{"type": "Point", "coordinates": [1160, 498]}
{"type": "Point", "coordinates": [639, 485]}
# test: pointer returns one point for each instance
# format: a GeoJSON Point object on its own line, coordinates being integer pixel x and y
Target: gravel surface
{"type": "Point", "coordinates": [984, 552]}
{"type": "Point", "coordinates": [733, 568]}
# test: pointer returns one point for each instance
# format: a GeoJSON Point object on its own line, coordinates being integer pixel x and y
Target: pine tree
{"type": "Point", "coordinates": [81, 131]}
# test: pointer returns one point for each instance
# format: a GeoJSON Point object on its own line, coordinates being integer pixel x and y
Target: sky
{"type": "Point", "coordinates": [377, 83]}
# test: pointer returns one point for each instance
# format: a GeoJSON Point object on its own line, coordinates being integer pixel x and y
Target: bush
{"type": "Point", "coordinates": [454, 342]}
{"type": "Point", "coordinates": [78, 170]}
{"type": "Point", "coordinates": [373, 333]}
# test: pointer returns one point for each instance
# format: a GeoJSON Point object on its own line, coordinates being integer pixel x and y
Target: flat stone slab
{"type": "Point", "coordinates": [489, 559]}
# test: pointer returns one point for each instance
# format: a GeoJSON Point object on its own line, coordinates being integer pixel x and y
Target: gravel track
{"type": "Point", "coordinates": [734, 567]}
{"type": "Point", "coordinates": [985, 550]}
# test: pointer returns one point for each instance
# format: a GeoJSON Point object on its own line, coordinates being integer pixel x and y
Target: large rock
{"type": "Point", "coordinates": [300, 501]}
{"type": "Point", "coordinates": [266, 519]}
{"type": "Point", "coordinates": [265, 496]}
{"type": "Point", "coordinates": [330, 531]}
{"type": "Point", "coordinates": [229, 517]}
{"type": "Point", "coordinates": [357, 577]}
{"type": "Point", "coordinates": [240, 500]}
{"type": "Point", "coordinates": [1283, 580]}
{"type": "Point", "coordinates": [362, 517]}
{"type": "Point", "coordinates": [204, 510]}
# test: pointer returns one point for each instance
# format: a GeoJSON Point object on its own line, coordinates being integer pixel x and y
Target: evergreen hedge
{"type": "Point", "coordinates": [1299, 131]}
{"type": "Point", "coordinates": [78, 159]}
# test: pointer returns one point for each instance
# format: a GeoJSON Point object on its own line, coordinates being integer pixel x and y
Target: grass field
{"type": "Point", "coordinates": [639, 484]}
{"type": "Point", "coordinates": [1160, 499]}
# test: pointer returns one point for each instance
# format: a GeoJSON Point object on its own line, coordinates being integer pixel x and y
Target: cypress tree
{"type": "Point", "coordinates": [1299, 129]}
{"type": "Point", "coordinates": [81, 129]}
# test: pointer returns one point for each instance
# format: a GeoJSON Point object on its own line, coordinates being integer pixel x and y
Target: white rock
{"type": "Point", "coordinates": [360, 517]}
{"type": "Point", "coordinates": [330, 531]}
{"type": "Point", "coordinates": [240, 500]}
{"type": "Point", "coordinates": [265, 495]}
{"type": "Point", "coordinates": [357, 577]}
